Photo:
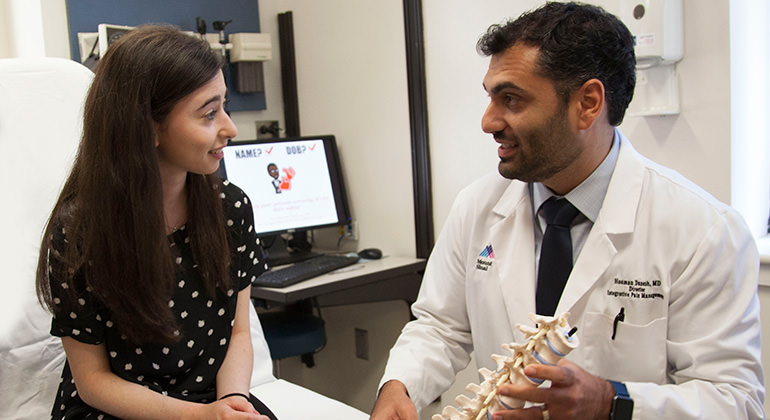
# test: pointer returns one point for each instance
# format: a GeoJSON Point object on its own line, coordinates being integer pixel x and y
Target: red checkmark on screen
{"type": "Point", "coordinates": [312, 147]}
{"type": "Point", "coordinates": [269, 150]}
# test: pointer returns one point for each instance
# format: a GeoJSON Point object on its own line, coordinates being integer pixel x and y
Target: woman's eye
{"type": "Point", "coordinates": [211, 114]}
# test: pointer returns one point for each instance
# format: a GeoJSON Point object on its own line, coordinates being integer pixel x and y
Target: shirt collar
{"type": "Point", "coordinates": [589, 195]}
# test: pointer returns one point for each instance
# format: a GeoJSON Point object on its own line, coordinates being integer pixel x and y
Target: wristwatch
{"type": "Point", "coordinates": [622, 404]}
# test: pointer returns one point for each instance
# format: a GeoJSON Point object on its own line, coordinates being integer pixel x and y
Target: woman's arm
{"type": "Point", "coordinates": [235, 373]}
{"type": "Point", "coordinates": [100, 388]}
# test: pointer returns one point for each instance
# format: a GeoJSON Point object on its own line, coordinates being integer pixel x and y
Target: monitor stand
{"type": "Point", "coordinates": [282, 252]}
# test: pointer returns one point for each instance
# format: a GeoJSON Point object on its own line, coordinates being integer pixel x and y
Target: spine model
{"type": "Point", "coordinates": [551, 340]}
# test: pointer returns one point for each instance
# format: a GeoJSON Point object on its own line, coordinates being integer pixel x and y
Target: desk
{"type": "Point", "coordinates": [389, 278]}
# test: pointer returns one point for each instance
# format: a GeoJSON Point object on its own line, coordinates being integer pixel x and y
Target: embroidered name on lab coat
{"type": "Point", "coordinates": [635, 289]}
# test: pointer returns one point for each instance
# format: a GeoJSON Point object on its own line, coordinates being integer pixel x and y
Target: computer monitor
{"type": "Point", "coordinates": [108, 34]}
{"type": "Point", "coordinates": [295, 184]}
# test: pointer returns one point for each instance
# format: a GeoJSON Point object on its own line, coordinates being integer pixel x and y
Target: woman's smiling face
{"type": "Point", "coordinates": [192, 136]}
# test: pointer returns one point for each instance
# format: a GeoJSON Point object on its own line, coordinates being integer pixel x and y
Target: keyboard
{"type": "Point", "coordinates": [304, 270]}
{"type": "Point", "coordinates": [291, 258]}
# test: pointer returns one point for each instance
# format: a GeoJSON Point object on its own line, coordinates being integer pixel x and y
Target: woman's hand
{"type": "Point", "coordinates": [232, 408]}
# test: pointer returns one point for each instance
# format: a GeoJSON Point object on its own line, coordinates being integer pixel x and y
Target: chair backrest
{"type": "Point", "coordinates": [40, 126]}
{"type": "Point", "coordinates": [41, 106]}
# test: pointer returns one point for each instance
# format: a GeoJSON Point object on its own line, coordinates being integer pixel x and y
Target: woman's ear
{"type": "Point", "coordinates": [156, 131]}
{"type": "Point", "coordinates": [590, 100]}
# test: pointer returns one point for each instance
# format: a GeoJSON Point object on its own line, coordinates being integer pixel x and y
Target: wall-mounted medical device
{"type": "Point", "coordinates": [246, 51]}
{"type": "Point", "coordinates": [250, 47]}
{"type": "Point", "coordinates": [657, 27]}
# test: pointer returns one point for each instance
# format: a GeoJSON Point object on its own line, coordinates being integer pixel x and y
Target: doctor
{"type": "Point", "coordinates": [663, 288]}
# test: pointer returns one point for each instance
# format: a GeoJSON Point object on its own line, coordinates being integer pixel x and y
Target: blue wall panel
{"type": "Point", "coordinates": [85, 15]}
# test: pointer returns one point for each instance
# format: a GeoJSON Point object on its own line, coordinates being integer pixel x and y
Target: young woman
{"type": "Point", "coordinates": [147, 258]}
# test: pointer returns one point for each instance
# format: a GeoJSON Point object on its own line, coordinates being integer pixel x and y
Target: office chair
{"type": "Point", "coordinates": [294, 331]}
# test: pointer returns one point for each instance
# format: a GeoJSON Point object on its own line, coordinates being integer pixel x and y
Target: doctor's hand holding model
{"type": "Point", "coordinates": [663, 286]}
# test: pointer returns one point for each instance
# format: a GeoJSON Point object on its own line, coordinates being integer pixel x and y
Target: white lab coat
{"type": "Point", "coordinates": [690, 343]}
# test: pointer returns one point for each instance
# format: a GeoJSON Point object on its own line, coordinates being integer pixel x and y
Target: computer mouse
{"type": "Point", "coordinates": [370, 253]}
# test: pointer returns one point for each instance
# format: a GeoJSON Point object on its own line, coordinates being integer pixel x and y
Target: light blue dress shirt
{"type": "Point", "coordinates": [587, 197]}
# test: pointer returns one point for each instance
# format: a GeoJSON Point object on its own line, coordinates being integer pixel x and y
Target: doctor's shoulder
{"type": "Point", "coordinates": [487, 191]}
{"type": "Point", "coordinates": [678, 204]}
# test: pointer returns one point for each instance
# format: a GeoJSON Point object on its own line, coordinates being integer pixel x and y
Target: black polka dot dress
{"type": "Point", "coordinates": [186, 369]}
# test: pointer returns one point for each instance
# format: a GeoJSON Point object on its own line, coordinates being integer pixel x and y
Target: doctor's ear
{"type": "Point", "coordinates": [590, 102]}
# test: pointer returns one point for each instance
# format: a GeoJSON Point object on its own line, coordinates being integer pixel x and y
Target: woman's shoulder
{"type": "Point", "coordinates": [230, 192]}
{"type": "Point", "coordinates": [60, 223]}
{"type": "Point", "coordinates": [233, 197]}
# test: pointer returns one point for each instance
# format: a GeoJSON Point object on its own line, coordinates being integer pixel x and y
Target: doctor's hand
{"type": "Point", "coordinates": [393, 403]}
{"type": "Point", "coordinates": [574, 394]}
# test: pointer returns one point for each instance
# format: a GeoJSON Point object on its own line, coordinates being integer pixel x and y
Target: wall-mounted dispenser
{"type": "Point", "coordinates": [657, 27]}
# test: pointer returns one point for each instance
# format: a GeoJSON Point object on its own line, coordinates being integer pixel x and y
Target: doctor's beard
{"type": "Point", "coordinates": [542, 150]}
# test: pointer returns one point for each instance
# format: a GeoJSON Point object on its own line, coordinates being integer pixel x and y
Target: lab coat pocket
{"type": "Point", "coordinates": [636, 354]}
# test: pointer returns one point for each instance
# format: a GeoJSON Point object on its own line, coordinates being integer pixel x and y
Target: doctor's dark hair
{"type": "Point", "coordinates": [577, 42]}
{"type": "Point", "coordinates": [111, 206]}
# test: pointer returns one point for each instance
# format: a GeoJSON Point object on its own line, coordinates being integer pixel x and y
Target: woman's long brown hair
{"type": "Point", "coordinates": [111, 206]}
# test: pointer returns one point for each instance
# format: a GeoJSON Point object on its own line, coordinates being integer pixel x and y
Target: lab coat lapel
{"type": "Point", "coordinates": [513, 241]}
{"type": "Point", "coordinates": [616, 220]}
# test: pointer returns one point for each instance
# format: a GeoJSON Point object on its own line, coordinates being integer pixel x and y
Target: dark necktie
{"type": "Point", "coordinates": [555, 254]}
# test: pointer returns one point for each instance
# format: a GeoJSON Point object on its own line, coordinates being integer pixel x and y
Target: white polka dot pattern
{"type": "Point", "coordinates": [185, 369]}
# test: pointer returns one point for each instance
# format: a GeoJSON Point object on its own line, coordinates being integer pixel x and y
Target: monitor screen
{"type": "Point", "coordinates": [108, 34]}
{"type": "Point", "coordinates": [294, 184]}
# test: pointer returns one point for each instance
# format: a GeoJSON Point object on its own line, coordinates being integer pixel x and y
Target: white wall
{"type": "Point", "coordinates": [351, 82]}
{"type": "Point", "coordinates": [696, 142]}
{"type": "Point", "coordinates": [33, 28]}
{"type": "Point", "coordinates": [351, 74]}
{"type": "Point", "coordinates": [750, 105]}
